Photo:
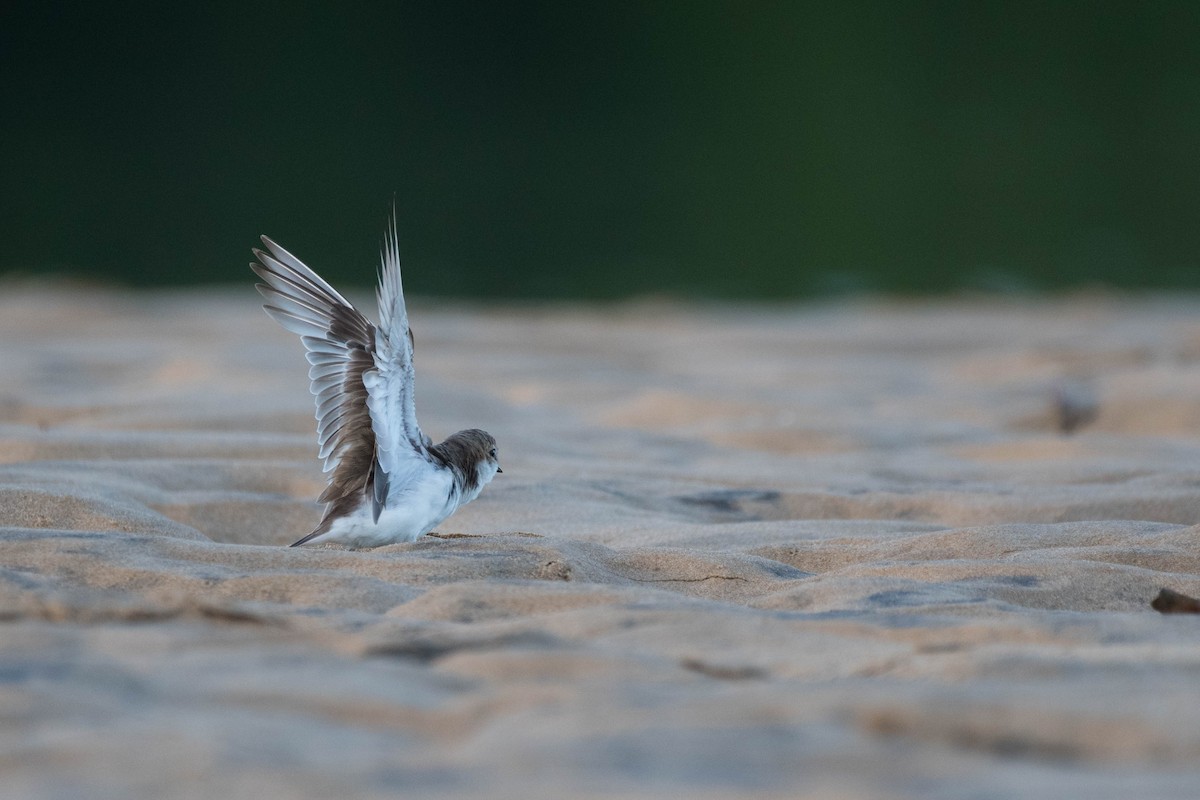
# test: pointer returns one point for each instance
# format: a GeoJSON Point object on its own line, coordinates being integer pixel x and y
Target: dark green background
{"type": "Point", "coordinates": [609, 148]}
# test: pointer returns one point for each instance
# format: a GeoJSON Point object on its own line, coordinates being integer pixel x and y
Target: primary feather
{"type": "Point", "coordinates": [400, 445]}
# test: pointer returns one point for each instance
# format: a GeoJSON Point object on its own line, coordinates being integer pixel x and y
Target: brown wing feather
{"type": "Point", "coordinates": [341, 344]}
{"type": "Point", "coordinates": [353, 478]}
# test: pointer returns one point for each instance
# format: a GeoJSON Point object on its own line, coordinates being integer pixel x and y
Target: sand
{"type": "Point", "coordinates": [831, 551]}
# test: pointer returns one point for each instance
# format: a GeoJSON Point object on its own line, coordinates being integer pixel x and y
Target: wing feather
{"type": "Point", "coordinates": [295, 267]}
{"type": "Point", "coordinates": [319, 372]}
{"type": "Point", "coordinates": [295, 324]}
{"type": "Point", "coordinates": [339, 345]}
{"type": "Point", "coordinates": [390, 388]}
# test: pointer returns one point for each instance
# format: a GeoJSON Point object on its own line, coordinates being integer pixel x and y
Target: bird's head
{"type": "Point", "coordinates": [472, 453]}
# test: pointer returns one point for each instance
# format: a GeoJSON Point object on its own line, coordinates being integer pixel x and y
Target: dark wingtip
{"type": "Point", "coordinates": [301, 541]}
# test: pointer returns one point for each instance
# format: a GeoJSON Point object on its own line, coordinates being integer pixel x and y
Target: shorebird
{"type": "Point", "coordinates": [388, 482]}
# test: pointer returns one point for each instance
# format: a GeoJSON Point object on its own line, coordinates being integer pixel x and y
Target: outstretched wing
{"type": "Point", "coordinates": [400, 446]}
{"type": "Point", "coordinates": [340, 345]}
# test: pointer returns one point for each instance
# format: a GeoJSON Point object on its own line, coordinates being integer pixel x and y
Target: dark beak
{"type": "Point", "coordinates": [498, 470]}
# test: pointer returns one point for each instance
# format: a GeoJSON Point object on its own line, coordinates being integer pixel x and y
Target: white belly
{"type": "Point", "coordinates": [410, 512]}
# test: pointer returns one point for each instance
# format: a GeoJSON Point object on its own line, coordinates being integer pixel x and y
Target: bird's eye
{"type": "Point", "coordinates": [493, 453]}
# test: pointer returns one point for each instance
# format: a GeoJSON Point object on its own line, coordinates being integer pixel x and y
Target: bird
{"type": "Point", "coordinates": [388, 482]}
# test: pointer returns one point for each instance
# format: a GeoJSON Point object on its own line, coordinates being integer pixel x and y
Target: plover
{"type": "Point", "coordinates": [388, 482]}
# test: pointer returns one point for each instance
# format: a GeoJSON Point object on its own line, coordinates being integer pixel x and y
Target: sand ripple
{"type": "Point", "coordinates": [840, 552]}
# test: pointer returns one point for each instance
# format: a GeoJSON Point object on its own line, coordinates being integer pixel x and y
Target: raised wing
{"type": "Point", "coordinates": [399, 444]}
{"type": "Point", "coordinates": [340, 345]}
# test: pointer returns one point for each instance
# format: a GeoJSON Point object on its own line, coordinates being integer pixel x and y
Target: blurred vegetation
{"type": "Point", "coordinates": [550, 149]}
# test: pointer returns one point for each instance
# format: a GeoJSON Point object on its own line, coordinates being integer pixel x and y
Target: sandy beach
{"type": "Point", "coordinates": [840, 550]}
